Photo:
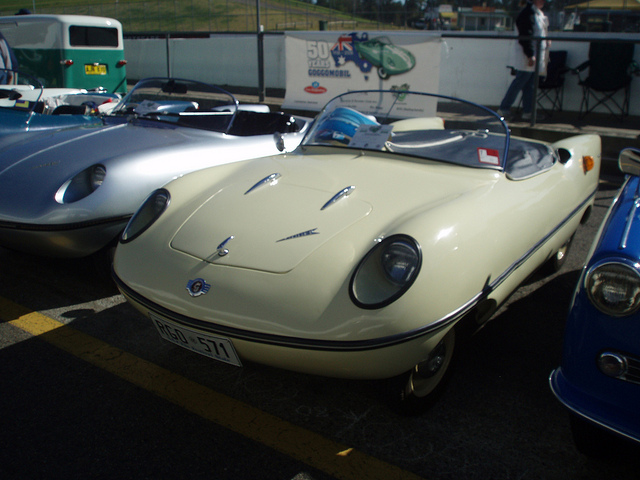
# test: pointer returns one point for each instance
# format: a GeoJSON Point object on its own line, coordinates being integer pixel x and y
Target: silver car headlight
{"type": "Point", "coordinates": [386, 272]}
{"type": "Point", "coordinates": [614, 288]}
{"type": "Point", "coordinates": [147, 214]}
{"type": "Point", "coordinates": [82, 184]}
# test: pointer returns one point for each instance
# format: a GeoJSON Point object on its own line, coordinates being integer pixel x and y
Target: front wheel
{"type": "Point", "coordinates": [591, 440]}
{"type": "Point", "coordinates": [420, 387]}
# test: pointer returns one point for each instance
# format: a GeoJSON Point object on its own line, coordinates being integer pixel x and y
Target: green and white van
{"type": "Point", "coordinates": [74, 51]}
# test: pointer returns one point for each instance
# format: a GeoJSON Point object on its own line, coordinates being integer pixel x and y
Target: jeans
{"type": "Point", "coordinates": [524, 82]}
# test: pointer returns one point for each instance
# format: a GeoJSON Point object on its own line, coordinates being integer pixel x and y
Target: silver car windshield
{"type": "Point", "coordinates": [427, 126]}
{"type": "Point", "coordinates": [185, 102]}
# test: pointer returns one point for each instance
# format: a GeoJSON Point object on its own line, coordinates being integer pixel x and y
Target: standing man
{"type": "Point", "coordinates": [531, 22]}
{"type": "Point", "coordinates": [7, 60]}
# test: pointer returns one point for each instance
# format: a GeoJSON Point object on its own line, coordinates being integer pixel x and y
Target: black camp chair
{"type": "Point", "coordinates": [551, 87]}
{"type": "Point", "coordinates": [608, 82]}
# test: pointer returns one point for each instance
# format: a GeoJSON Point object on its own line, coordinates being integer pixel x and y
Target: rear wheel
{"type": "Point", "coordinates": [556, 262]}
{"type": "Point", "coordinates": [420, 387]}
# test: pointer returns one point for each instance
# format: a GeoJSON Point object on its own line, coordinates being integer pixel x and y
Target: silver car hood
{"type": "Point", "coordinates": [71, 150]}
{"type": "Point", "coordinates": [34, 167]}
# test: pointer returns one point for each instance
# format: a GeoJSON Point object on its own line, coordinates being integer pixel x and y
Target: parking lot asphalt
{"type": "Point", "coordinates": [89, 390]}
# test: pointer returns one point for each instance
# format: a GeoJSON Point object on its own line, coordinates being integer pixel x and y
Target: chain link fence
{"type": "Point", "coordinates": [225, 15]}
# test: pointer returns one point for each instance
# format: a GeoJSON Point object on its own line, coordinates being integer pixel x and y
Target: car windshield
{"type": "Point", "coordinates": [23, 93]}
{"type": "Point", "coordinates": [19, 91]}
{"type": "Point", "coordinates": [184, 102]}
{"type": "Point", "coordinates": [427, 126]}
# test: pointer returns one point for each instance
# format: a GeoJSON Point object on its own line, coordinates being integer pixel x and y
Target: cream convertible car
{"type": "Point", "coordinates": [401, 220]}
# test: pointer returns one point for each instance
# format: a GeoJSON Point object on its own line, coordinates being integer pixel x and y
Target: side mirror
{"type": "Point", "coordinates": [629, 161]}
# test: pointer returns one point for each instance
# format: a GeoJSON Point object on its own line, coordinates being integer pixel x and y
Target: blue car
{"type": "Point", "coordinates": [25, 106]}
{"type": "Point", "coordinates": [599, 379]}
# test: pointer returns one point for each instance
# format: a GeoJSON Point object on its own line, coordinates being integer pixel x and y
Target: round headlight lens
{"type": "Point", "coordinates": [147, 214]}
{"type": "Point", "coordinates": [82, 184]}
{"type": "Point", "coordinates": [399, 261]}
{"type": "Point", "coordinates": [98, 172]}
{"type": "Point", "coordinates": [386, 272]}
{"type": "Point", "coordinates": [614, 288]}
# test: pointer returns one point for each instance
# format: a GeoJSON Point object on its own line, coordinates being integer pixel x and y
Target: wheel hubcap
{"type": "Point", "coordinates": [426, 376]}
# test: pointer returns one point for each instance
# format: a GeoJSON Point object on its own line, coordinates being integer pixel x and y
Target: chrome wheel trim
{"type": "Point", "coordinates": [420, 385]}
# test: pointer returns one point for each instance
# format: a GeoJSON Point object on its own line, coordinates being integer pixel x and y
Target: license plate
{"type": "Point", "coordinates": [218, 348]}
{"type": "Point", "coordinates": [92, 69]}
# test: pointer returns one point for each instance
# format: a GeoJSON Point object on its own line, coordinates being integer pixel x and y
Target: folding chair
{"type": "Point", "coordinates": [610, 68]}
{"type": "Point", "coordinates": [551, 87]}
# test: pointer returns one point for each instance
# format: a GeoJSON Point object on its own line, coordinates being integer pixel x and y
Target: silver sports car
{"type": "Point", "coordinates": [70, 193]}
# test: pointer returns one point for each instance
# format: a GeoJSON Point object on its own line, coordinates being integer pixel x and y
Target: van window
{"type": "Point", "coordinates": [93, 36]}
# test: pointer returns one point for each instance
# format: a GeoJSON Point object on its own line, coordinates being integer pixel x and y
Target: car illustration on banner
{"type": "Point", "coordinates": [344, 51]}
{"type": "Point", "coordinates": [379, 52]}
{"type": "Point", "coordinates": [387, 57]}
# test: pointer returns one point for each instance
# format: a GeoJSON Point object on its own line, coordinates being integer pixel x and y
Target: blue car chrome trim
{"type": "Point", "coordinates": [556, 381]}
{"type": "Point", "coordinates": [345, 192]}
{"type": "Point", "coordinates": [271, 180]}
{"type": "Point", "coordinates": [630, 216]}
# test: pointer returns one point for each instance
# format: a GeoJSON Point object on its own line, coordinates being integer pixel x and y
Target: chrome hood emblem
{"type": "Point", "coordinates": [221, 251]}
{"type": "Point", "coordinates": [197, 287]}
{"type": "Point", "coordinates": [313, 231]}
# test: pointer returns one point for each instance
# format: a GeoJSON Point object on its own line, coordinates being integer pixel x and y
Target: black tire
{"type": "Point", "coordinates": [555, 263]}
{"type": "Point", "coordinates": [591, 440]}
{"type": "Point", "coordinates": [382, 73]}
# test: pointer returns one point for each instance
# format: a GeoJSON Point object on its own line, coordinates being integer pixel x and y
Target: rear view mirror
{"type": "Point", "coordinates": [174, 87]}
{"type": "Point", "coordinates": [629, 161]}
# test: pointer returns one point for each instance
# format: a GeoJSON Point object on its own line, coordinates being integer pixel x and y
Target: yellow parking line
{"type": "Point", "coordinates": [303, 445]}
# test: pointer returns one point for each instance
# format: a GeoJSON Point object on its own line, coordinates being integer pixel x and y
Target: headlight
{"type": "Point", "coordinates": [81, 185]}
{"type": "Point", "coordinates": [614, 288]}
{"type": "Point", "coordinates": [146, 215]}
{"type": "Point", "coordinates": [386, 272]}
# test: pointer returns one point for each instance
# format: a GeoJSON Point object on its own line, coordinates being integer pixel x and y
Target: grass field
{"type": "Point", "coordinates": [200, 15]}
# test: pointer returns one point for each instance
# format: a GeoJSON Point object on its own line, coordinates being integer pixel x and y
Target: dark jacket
{"type": "Point", "coordinates": [525, 22]}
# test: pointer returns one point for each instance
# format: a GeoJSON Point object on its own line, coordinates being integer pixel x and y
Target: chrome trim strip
{"type": "Point", "coordinates": [630, 216]}
{"type": "Point", "coordinates": [501, 278]}
{"type": "Point", "coordinates": [270, 179]}
{"type": "Point", "coordinates": [345, 192]}
{"type": "Point", "coordinates": [280, 340]}
{"type": "Point", "coordinates": [337, 345]}
{"type": "Point", "coordinates": [575, 411]}
{"type": "Point", "coordinates": [62, 227]}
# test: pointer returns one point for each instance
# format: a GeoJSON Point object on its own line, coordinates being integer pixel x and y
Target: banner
{"type": "Point", "coordinates": [321, 65]}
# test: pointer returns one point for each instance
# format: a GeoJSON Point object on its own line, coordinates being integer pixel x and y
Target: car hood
{"type": "Point", "coordinates": [71, 150]}
{"type": "Point", "coordinates": [278, 224]}
{"type": "Point", "coordinates": [34, 166]}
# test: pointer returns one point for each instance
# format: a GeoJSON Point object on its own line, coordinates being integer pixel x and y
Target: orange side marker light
{"type": "Point", "coordinates": [587, 163]}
